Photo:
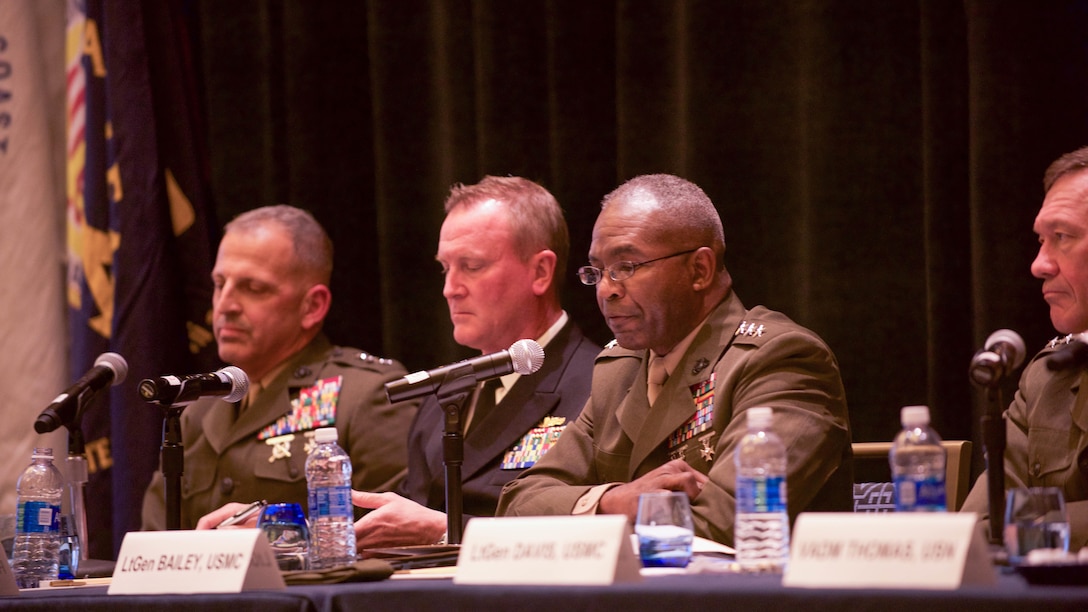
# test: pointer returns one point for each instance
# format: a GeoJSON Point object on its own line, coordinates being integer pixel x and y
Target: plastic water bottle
{"type": "Point", "coordinates": [761, 532]}
{"type": "Point", "coordinates": [918, 464]}
{"type": "Point", "coordinates": [37, 521]}
{"type": "Point", "coordinates": [328, 478]}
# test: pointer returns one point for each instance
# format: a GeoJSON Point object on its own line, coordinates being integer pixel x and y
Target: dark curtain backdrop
{"type": "Point", "coordinates": [877, 165]}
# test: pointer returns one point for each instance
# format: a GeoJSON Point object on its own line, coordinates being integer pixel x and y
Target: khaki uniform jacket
{"type": "Point", "coordinates": [225, 461]}
{"type": "Point", "coordinates": [754, 358]}
{"type": "Point", "coordinates": [558, 390]}
{"type": "Point", "coordinates": [1046, 441]}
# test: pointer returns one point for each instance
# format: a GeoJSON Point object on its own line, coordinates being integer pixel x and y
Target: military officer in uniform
{"type": "Point", "coordinates": [271, 296]}
{"type": "Point", "coordinates": [503, 248]}
{"type": "Point", "coordinates": [669, 398]}
{"type": "Point", "coordinates": [1046, 424]}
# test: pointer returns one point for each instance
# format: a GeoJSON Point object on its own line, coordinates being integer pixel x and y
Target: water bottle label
{"type": "Point", "coordinates": [927, 494]}
{"type": "Point", "coordinates": [761, 494]}
{"type": "Point", "coordinates": [38, 517]}
{"type": "Point", "coordinates": [331, 501]}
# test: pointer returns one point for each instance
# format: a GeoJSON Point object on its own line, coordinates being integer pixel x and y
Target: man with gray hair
{"type": "Point", "coordinates": [670, 396]}
{"type": "Point", "coordinates": [271, 296]}
{"type": "Point", "coordinates": [1046, 424]}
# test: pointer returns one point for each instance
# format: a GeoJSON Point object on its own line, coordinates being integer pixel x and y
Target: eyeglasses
{"type": "Point", "coordinates": [621, 270]}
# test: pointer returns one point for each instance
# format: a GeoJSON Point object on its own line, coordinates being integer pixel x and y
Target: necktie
{"type": "Point", "coordinates": [485, 402]}
{"type": "Point", "coordinates": [247, 401]}
{"type": "Point", "coordinates": [655, 378]}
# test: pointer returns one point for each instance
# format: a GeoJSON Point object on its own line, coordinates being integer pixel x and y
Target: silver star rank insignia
{"type": "Point", "coordinates": [749, 329]}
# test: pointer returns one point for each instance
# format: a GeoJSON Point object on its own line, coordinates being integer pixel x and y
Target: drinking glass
{"type": "Point", "coordinates": [664, 529]}
{"type": "Point", "coordinates": [285, 527]}
{"type": "Point", "coordinates": [1035, 518]}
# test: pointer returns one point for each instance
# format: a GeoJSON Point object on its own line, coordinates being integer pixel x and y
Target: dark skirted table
{"type": "Point", "coordinates": [652, 594]}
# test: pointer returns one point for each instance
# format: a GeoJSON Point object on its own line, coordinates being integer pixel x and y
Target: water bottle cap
{"type": "Point", "coordinates": [914, 416]}
{"type": "Point", "coordinates": [42, 453]}
{"type": "Point", "coordinates": [760, 417]}
{"type": "Point", "coordinates": [326, 434]}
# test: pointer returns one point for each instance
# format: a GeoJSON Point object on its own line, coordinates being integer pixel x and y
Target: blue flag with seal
{"type": "Point", "coordinates": [140, 238]}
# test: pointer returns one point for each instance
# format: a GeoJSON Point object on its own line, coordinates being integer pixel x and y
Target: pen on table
{"type": "Point", "coordinates": [243, 514]}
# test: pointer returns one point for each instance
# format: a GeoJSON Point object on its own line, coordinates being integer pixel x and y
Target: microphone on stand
{"type": "Point", "coordinates": [230, 383]}
{"type": "Point", "coordinates": [1074, 354]}
{"type": "Point", "coordinates": [109, 369]}
{"type": "Point", "coordinates": [523, 357]}
{"type": "Point", "coordinates": [1003, 352]}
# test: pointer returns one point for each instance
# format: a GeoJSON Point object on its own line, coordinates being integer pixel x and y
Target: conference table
{"type": "Point", "coordinates": [652, 593]}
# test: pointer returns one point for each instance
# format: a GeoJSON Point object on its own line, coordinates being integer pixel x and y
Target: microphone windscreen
{"type": "Point", "coordinates": [240, 386]}
{"type": "Point", "coordinates": [527, 356]}
{"type": "Point", "coordinates": [116, 363]}
{"type": "Point", "coordinates": [1014, 341]}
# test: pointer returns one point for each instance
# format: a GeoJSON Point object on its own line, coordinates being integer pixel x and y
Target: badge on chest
{"type": "Point", "coordinates": [534, 444]}
{"type": "Point", "coordinates": [314, 407]}
{"type": "Point", "coordinates": [693, 441]}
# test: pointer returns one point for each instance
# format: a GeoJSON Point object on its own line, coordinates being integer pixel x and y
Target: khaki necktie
{"type": "Point", "coordinates": [247, 401]}
{"type": "Point", "coordinates": [655, 378]}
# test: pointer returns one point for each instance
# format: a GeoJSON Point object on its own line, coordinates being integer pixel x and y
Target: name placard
{"type": "Point", "coordinates": [205, 561]}
{"type": "Point", "coordinates": [7, 579]}
{"type": "Point", "coordinates": [591, 549]}
{"type": "Point", "coordinates": [939, 550]}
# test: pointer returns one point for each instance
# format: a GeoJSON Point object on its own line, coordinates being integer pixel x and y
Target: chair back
{"type": "Point", "coordinates": [879, 496]}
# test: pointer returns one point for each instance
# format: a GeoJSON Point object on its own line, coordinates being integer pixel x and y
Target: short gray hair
{"type": "Point", "coordinates": [312, 245]}
{"type": "Point", "coordinates": [690, 217]}
{"type": "Point", "coordinates": [1070, 163]}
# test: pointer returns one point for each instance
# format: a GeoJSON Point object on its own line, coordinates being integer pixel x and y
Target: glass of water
{"type": "Point", "coordinates": [664, 529]}
{"type": "Point", "coordinates": [285, 527]}
{"type": "Point", "coordinates": [1035, 518]}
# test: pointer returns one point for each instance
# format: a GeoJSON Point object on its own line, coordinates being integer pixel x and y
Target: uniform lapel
{"type": "Point", "coordinates": [676, 404]}
{"type": "Point", "coordinates": [274, 401]}
{"type": "Point", "coordinates": [633, 412]}
{"type": "Point", "coordinates": [523, 408]}
{"type": "Point", "coordinates": [217, 424]}
{"type": "Point", "coordinates": [525, 404]}
{"type": "Point", "coordinates": [1080, 406]}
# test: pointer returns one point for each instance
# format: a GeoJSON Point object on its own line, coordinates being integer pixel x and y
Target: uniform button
{"type": "Point", "coordinates": [292, 469]}
{"type": "Point", "coordinates": [302, 372]}
{"type": "Point", "coordinates": [1036, 469]}
{"type": "Point", "coordinates": [226, 485]}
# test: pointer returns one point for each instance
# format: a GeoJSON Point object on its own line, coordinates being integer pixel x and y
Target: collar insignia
{"type": "Point", "coordinates": [700, 365]}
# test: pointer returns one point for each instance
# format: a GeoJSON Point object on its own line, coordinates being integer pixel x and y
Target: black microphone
{"type": "Point", "coordinates": [1075, 354]}
{"type": "Point", "coordinates": [230, 383]}
{"type": "Point", "coordinates": [108, 368]}
{"type": "Point", "coordinates": [1003, 352]}
{"type": "Point", "coordinates": [523, 357]}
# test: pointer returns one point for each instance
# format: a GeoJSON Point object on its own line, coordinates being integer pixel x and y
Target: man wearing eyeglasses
{"type": "Point", "coordinates": [669, 398]}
